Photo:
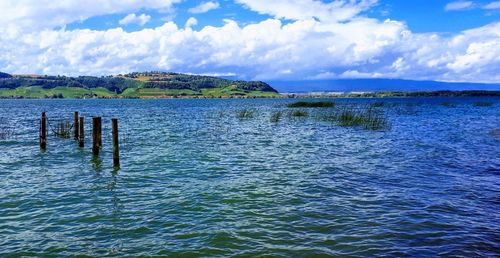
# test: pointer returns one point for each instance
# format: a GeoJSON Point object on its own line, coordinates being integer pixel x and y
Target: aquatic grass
{"type": "Point", "coordinates": [246, 113]}
{"type": "Point", "coordinates": [5, 131]}
{"type": "Point", "coordinates": [366, 117]}
{"type": "Point", "coordinates": [304, 104]}
{"type": "Point", "coordinates": [483, 104]}
{"type": "Point", "coordinates": [276, 116]}
{"type": "Point", "coordinates": [63, 129]}
{"type": "Point", "coordinates": [448, 104]}
{"type": "Point", "coordinates": [378, 104]}
{"type": "Point", "coordinates": [299, 113]}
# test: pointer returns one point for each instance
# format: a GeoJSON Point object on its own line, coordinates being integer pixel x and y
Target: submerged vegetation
{"type": "Point", "coordinates": [304, 104]}
{"type": "Point", "coordinates": [447, 104]}
{"type": "Point", "coordinates": [483, 104]}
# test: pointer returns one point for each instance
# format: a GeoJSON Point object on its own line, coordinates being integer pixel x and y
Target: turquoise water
{"type": "Point", "coordinates": [198, 181]}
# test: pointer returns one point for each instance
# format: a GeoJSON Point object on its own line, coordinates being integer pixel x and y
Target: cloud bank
{"type": "Point", "coordinates": [318, 41]}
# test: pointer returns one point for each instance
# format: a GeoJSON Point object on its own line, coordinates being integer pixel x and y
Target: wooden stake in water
{"type": "Point", "coordinates": [116, 151]}
{"type": "Point", "coordinates": [43, 132]}
{"type": "Point", "coordinates": [81, 133]}
{"type": "Point", "coordinates": [99, 130]}
{"type": "Point", "coordinates": [76, 126]}
{"type": "Point", "coordinates": [96, 135]}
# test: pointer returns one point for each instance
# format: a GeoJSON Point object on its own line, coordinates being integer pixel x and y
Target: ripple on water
{"type": "Point", "coordinates": [197, 181]}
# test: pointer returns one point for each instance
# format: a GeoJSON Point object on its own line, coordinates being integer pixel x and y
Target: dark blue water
{"type": "Point", "coordinates": [198, 181]}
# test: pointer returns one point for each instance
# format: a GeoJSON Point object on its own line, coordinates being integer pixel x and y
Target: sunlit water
{"type": "Point", "coordinates": [198, 181]}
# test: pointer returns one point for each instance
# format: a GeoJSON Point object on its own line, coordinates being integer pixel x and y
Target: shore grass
{"type": "Point", "coordinates": [304, 104]}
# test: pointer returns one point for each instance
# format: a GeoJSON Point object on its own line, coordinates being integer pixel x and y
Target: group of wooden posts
{"type": "Point", "coordinates": [79, 133]}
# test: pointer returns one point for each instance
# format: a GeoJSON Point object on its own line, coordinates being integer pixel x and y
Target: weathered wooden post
{"type": "Point", "coordinates": [116, 151]}
{"type": "Point", "coordinates": [99, 131]}
{"type": "Point", "coordinates": [96, 135]}
{"type": "Point", "coordinates": [43, 132]}
{"type": "Point", "coordinates": [76, 126]}
{"type": "Point", "coordinates": [81, 133]}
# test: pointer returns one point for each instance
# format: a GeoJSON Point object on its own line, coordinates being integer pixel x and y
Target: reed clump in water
{"type": "Point", "coordinates": [246, 113]}
{"type": "Point", "coordinates": [377, 104]}
{"type": "Point", "coordinates": [367, 117]}
{"type": "Point", "coordinates": [299, 113]}
{"type": "Point", "coordinates": [448, 104]}
{"type": "Point", "coordinates": [63, 129]}
{"type": "Point", "coordinates": [483, 104]}
{"type": "Point", "coordinates": [304, 104]}
{"type": "Point", "coordinates": [276, 116]}
{"type": "Point", "coordinates": [5, 131]}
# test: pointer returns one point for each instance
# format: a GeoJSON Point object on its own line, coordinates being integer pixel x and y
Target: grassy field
{"type": "Point", "coordinates": [37, 92]}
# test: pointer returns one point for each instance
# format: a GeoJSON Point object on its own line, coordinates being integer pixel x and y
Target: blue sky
{"type": "Point", "coordinates": [254, 39]}
{"type": "Point", "coordinates": [420, 16]}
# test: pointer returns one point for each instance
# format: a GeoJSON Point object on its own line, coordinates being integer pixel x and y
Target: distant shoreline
{"type": "Point", "coordinates": [390, 94]}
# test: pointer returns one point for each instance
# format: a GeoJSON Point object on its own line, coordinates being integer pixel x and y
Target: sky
{"type": "Point", "coordinates": [452, 41]}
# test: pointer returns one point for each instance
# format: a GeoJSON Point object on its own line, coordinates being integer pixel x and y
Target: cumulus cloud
{"type": "Point", "coordinates": [306, 9]}
{"type": "Point", "coordinates": [134, 19]}
{"type": "Point", "coordinates": [191, 22]}
{"type": "Point", "coordinates": [308, 46]}
{"type": "Point", "coordinates": [42, 14]}
{"type": "Point", "coordinates": [204, 7]}
{"type": "Point", "coordinates": [492, 6]}
{"type": "Point", "coordinates": [459, 5]}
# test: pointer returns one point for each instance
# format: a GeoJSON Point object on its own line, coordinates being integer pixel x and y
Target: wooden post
{"type": "Point", "coordinates": [81, 133]}
{"type": "Point", "coordinates": [43, 132]}
{"type": "Point", "coordinates": [95, 135]}
{"type": "Point", "coordinates": [76, 127]}
{"type": "Point", "coordinates": [116, 151]}
{"type": "Point", "coordinates": [99, 132]}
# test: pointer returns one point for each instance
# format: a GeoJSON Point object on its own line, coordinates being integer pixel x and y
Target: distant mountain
{"type": "Point", "coordinates": [349, 85]}
{"type": "Point", "coordinates": [5, 75]}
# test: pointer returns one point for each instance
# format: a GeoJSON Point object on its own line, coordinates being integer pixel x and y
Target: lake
{"type": "Point", "coordinates": [197, 180]}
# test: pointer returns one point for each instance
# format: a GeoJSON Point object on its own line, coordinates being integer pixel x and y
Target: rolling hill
{"type": "Point", "coordinates": [133, 85]}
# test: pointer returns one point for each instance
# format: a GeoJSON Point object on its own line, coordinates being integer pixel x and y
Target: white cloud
{"type": "Point", "coordinates": [304, 47]}
{"type": "Point", "coordinates": [492, 6]}
{"type": "Point", "coordinates": [191, 22]}
{"type": "Point", "coordinates": [204, 7]}
{"type": "Point", "coordinates": [134, 19]}
{"type": "Point", "coordinates": [41, 14]}
{"type": "Point", "coordinates": [306, 9]}
{"type": "Point", "coordinates": [459, 5]}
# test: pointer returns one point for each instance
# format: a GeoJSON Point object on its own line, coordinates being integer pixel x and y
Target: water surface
{"type": "Point", "coordinates": [198, 181]}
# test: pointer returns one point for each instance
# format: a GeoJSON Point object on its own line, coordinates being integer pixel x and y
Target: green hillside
{"type": "Point", "coordinates": [133, 85]}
